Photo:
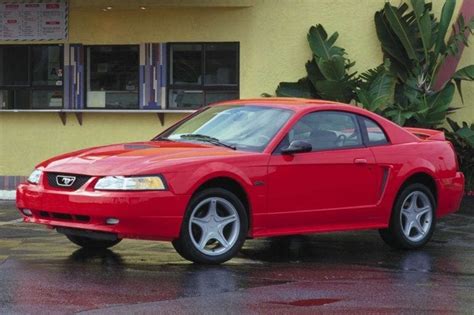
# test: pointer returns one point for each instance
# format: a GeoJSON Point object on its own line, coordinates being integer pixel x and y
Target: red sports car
{"type": "Point", "coordinates": [247, 169]}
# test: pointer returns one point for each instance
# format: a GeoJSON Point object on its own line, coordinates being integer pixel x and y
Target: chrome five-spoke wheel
{"type": "Point", "coordinates": [214, 226]}
{"type": "Point", "coordinates": [413, 218]}
{"type": "Point", "coordinates": [416, 216]}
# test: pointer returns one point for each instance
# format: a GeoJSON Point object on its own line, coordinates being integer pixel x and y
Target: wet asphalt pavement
{"type": "Point", "coordinates": [42, 272]}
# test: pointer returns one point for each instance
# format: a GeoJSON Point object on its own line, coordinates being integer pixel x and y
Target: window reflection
{"type": "Point", "coordinates": [31, 76]}
{"type": "Point", "coordinates": [112, 77]}
{"type": "Point", "coordinates": [202, 73]}
{"type": "Point", "coordinates": [47, 68]}
{"type": "Point", "coordinates": [221, 64]}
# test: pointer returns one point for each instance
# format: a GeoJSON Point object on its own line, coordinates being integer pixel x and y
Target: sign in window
{"type": "Point", "coordinates": [33, 20]}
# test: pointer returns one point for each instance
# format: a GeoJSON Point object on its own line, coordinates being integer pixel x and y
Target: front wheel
{"type": "Point", "coordinates": [214, 228]}
{"type": "Point", "coordinates": [91, 243]}
{"type": "Point", "coordinates": [413, 218]}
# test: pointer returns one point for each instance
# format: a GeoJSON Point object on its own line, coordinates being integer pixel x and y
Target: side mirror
{"type": "Point", "coordinates": [297, 146]}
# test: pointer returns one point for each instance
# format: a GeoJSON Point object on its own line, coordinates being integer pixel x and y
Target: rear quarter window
{"type": "Point", "coordinates": [375, 133]}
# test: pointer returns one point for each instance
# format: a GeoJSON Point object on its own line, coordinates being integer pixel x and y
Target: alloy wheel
{"type": "Point", "coordinates": [214, 226]}
{"type": "Point", "coordinates": [416, 216]}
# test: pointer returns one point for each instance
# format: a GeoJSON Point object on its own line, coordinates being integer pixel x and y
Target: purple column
{"type": "Point", "coordinates": [448, 68]}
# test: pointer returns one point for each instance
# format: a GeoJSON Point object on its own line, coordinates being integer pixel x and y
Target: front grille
{"type": "Point", "coordinates": [64, 216]}
{"type": "Point", "coordinates": [60, 180]}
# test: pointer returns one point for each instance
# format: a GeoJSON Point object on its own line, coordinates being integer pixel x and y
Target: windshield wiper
{"type": "Point", "coordinates": [162, 139]}
{"type": "Point", "coordinates": [209, 139]}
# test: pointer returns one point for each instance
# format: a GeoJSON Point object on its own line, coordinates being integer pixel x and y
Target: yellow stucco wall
{"type": "Point", "coordinates": [272, 36]}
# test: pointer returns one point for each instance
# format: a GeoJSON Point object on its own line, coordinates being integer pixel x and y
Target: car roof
{"type": "Point", "coordinates": [295, 104]}
{"type": "Point", "coordinates": [302, 106]}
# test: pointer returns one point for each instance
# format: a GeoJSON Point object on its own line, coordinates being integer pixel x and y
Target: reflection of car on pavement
{"type": "Point", "coordinates": [251, 168]}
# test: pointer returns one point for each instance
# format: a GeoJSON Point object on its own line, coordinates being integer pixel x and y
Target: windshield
{"type": "Point", "coordinates": [247, 127]}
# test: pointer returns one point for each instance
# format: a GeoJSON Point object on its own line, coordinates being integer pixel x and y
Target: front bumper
{"type": "Point", "coordinates": [155, 215]}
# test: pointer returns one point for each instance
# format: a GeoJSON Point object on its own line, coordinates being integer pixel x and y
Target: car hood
{"type": "Point", "coordinates": [134, 158]}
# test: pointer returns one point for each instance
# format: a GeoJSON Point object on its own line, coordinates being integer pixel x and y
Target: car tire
{"type": "Point", "coordinates": [413, 218]}
{"type": "Point", "coordinates": [177, 245]}
{"type": "Point", "coordinates": [214, 227]}
{"type": "Point", "coordinates": [91, 243]}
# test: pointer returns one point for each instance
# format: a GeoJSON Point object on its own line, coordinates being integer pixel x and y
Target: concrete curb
{"type": "Point", "coordinates": [7, 195]}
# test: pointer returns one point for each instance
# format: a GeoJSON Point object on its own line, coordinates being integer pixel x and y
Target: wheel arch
{"type": "Point", "coordinates": [421, 177]}
{"type": "Point", "coordinates": [231, 184]}
{"type": "Point", "coordinates": [391, 234]}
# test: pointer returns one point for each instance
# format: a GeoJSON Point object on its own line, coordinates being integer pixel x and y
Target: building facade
{"type": "Point", "coordinates": [125, 70]}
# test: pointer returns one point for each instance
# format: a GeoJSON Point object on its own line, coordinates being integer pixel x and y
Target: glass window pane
{"type": "Point", "coordinates": [21, 99]}
{"type": "Point", "coordinates": [46, 99]}
{"type": "Point", "coordinates": [221, 64]}
{"type": "Point", "coordinates": [327, 130]}
{"type": "Point", "coordinates": [24, 69]}
{"type": "Point", "coordinates": [186, 64]}
{"type": "Point", "coordinates": [214, 97]}
{"type": "Point", "coordinates": [6, 101]}
{"type": "Point", "coordinates": [112, 78]}
{"type": "Point", "coordinates": [374, 132]}
{"type": "Point", "coordinates": [186, 99]}
{"type": "Point", "coordinates": [14, 67]}
{"type": "Point", "coordinates": [247, 127]}
{"type": "Point", "coordinates": [196, 69]}
{"type": "Point", "coordinates": [121, 100]}
{"type": "Point", "coordinates": [15, 99]}
{"type": "Point", "coordinates": [46, 66]}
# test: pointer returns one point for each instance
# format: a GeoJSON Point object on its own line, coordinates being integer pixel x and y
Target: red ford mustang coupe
{"type": "Point", "coordinates": [247, 169]}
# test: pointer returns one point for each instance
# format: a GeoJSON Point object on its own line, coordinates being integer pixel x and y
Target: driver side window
{"type": "Point", "coordinates": [326, 130]}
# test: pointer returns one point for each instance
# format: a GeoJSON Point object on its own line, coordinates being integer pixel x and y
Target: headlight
{"type": "Point", "coordinates": [130, 183]}
{"type": "Point", "coordinates": [34, 178]}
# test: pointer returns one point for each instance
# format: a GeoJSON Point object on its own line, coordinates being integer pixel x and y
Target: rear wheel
{"type": "Point", "coordinates": [413, 218]}
{"type": "Point", "coordinates": [214, 228]}
{"type": "Point", "coordinates": [91, 243]}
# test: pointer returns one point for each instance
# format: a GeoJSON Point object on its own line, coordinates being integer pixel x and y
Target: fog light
{"type": "Point", "coordinates": [112, 221]}
{"type": "Point", "coordinates": [27, 212]}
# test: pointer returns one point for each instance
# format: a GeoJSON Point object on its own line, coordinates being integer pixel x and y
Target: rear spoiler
{"type": "Point", "coordinates": [426, 134]}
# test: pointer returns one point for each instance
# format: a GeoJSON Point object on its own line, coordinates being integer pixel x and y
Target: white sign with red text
{"type": "Point", "coordinates": [42, 20]}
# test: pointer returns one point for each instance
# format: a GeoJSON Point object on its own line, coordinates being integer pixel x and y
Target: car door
{"type": "Point", "coordinates": [333, 186]}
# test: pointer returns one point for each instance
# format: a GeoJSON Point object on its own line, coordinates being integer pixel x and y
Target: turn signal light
{"type": "Point", "coordinates": [27, 212]}
{"type": "Point", "coordinates": [112, 221]}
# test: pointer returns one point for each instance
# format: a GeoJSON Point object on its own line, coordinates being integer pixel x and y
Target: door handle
{"type": "Point", "coordinates": [360, 161]}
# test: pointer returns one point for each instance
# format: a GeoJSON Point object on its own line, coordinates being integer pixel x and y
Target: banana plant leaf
{"type": "Point", "coordinates": [454, 125]}
{"type": "Point", "coordinates": [314, 74]}
{"type": "Point", "coordinates": [423, 21]}
{"type": "Point", "coordinates": [333, 68]}
{"type": "Point", "coordinates": [467, 134]}
{"type": "Point", "coordinates": [464, 74]}
{"type": "Point", "coordinates": [441, 100]}
{"type": "Point", "coordinates": [446, 15]}
{"type": "Point", "coordinates": [435, 107]}
{"type": "Point", "coordinates": [321, 46]}
{"type": "Point", "coordinates": [391, 45]}
{"type": "Point", "coordinates": [398, 115]}
{"type": "Point", "coordinates": [403, 30]}
{"type": "Point", "coordinates": [377, 88]}
{"type": "Point", "coordinates": [341, 91]}
{"type": "Point", "coordinates": [302, 89]}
